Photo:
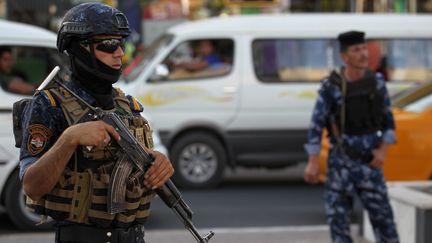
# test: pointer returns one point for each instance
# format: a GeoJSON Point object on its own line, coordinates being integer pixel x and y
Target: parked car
{"type": "Point", "coordinates": [35, 53]}
{"type": "Point", "coordinates": [409, 158]}
{"type": "Point", "coordinates": [253, 108]}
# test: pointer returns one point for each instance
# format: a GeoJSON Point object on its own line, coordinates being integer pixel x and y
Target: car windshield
{"type": "Point", "coordinates": [140, 62]}
{"type": "Point", "coordinates": [416, 99]}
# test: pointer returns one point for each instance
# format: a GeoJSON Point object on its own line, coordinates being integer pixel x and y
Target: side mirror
{"type": "Point", "coordinates": [161, 72]}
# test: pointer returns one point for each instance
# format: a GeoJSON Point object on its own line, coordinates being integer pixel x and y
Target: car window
{"type": "Point", "coordinates": [33, 64]}
{"type": "Point", "coordinates": [198, 59]}
{"type": "Point", "coordinates": [310, 60]}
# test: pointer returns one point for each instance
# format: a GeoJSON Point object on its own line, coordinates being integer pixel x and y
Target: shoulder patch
{"type": "Point", "coordinates": [134, 104]}
{"type": "Point", "coordinates": [38, 138]}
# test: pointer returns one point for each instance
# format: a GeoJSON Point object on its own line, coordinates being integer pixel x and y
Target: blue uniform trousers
{"type": "Point", "coordinates": [345, 178]}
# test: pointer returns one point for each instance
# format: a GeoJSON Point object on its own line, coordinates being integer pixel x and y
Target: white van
{"type": "Point", "coordinates": [254, 107]}
{"type": "Point", "coordinates": [35, 53]}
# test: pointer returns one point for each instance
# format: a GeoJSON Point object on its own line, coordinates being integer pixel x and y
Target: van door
{"type": "Point", "coordinates": [280, 80]}
{"type": "Point", "coordinates": [192, 93]}
{"type": "Point", "coordinates": [195, 84]}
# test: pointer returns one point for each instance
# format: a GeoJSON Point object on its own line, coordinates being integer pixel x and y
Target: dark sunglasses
{"type": "Point", "coordinates": [106, 45]}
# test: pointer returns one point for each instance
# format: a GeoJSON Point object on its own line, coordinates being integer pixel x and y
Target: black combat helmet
{"type": "Point", "coordinates": [89, 19]}
{"type": "Point", "coordinates": [77, 36]}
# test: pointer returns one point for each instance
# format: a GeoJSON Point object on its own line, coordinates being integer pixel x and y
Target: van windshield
{"type": "Point", "coordinates": [142, 59]}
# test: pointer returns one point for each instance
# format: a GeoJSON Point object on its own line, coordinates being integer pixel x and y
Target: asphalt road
{"type": "Point", "coordinates": [249, 202]}
{"type": "Point", "coordinates": [255, 198]}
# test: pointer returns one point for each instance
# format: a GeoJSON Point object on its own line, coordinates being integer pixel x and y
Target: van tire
{"type": "Point", "coordinates": [16, 209]}
{"type": "Point", "coordinates": [187, 156]}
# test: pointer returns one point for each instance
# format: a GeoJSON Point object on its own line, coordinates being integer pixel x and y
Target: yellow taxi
{"type": "Point", "coordinates": [410, 158]}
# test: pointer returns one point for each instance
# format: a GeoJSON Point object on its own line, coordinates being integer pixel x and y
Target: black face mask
{"type": "Point", "coordinates": [93, 75]}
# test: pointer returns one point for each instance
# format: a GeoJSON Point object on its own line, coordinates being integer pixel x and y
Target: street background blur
{"type": "Point", "coordinates": [254, 205]}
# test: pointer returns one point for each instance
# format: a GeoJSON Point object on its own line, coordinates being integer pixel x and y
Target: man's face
{"type": "Point", "coordinates": [6, 62]}
{"type": "Point", "coordinates": [356, 56]}
{"type": "Point", "coordinates": [206, 48]}
{"type": "Point", "coordinates": [112, 59]}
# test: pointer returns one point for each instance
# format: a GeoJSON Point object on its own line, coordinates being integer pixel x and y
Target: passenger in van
{"type": "Point", "coordinates": [354, 106]}
{"type": "Point", "coordinates": [62, 177]}
{"type": "Point", "coordinates": [8, 80]}
{"type": "Point", "coordinates": [205, 58]}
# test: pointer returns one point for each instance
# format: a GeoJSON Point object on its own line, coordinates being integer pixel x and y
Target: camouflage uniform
{"type": "Point", "coordinates": [346, 176]}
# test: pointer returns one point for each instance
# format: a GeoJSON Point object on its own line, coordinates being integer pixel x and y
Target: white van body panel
{"type": "Point", "coordinates": [212, 102]}
{"type": "Point", "coordinates": [271, 106]}
{"type": "Point", "coordinates": [22, 34]}
{"type": "Point", "coordinates": [309, 25]}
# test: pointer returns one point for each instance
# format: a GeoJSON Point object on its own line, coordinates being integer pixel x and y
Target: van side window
{"type": "Point", "coordinates": [408, 60]}
{"type": "Point", "coordinates": [292, 60]}
{"type": "Point", "coordinates": [197, 59]}
{"type": "Point", "coordinates": [301, 60]}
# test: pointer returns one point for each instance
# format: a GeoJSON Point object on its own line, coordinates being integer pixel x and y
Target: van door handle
{"type": "Point", "coordinates": [229, 89]}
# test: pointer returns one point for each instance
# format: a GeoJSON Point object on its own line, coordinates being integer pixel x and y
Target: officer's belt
{"type": "Point", "coordinates": [355, 154]}
{"type": "Point", "coordinates": [89, 234]}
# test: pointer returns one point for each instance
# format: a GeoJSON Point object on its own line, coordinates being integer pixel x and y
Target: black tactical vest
{"type": "Point", "coordinates": [364, 105]}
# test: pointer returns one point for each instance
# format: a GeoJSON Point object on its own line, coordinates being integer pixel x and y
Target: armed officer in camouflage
{"type": "Point", "coordinates": [66, 158]}
{"type": "Point", "coordinates": [354, 106]}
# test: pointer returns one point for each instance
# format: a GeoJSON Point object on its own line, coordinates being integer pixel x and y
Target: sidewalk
{"type": "Point", "coordinates": [294, 234]}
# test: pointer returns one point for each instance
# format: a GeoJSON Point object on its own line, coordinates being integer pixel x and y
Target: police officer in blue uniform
{"type": "Point", "coordinates": [354, 106]}
{"type": "Point", "coordinates": [67, 158]}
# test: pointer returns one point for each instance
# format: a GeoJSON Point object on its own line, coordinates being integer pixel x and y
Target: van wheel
{"type": "Point", "coordinates": [16, 208]}
{"type": "Point", "coordinates": [199, 160]}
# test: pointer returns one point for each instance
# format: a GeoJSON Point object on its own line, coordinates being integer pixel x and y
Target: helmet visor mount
{"type": "Point", "coordinates": [106, 45]}
{"type": "Point", "coordinates": [122, 22]}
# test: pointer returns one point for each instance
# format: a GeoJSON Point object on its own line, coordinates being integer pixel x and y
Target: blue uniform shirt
{"type": "Point", "coordinates": [330, 95]}
{"type": "Point", "coordinates": [44, 122]}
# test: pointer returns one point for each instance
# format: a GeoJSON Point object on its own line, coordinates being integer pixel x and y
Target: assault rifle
{"type": "Point", "coordinates": [133, 156]}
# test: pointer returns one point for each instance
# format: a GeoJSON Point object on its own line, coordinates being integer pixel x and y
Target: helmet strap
{"type": "Point", "coordinates": [93, 56]}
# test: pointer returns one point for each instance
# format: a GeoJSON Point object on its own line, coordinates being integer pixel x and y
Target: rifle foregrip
{"type": "Point", "coordinates": [169, 198]}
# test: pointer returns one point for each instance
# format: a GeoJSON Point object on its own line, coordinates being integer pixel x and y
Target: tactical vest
{"type": "Point", "coordinates": [364, 105]}
{"type": "Point", "coordinates": [80, 196]}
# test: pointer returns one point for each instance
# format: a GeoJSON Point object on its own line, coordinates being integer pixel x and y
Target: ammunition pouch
{"type": "Point", "coordinates": [81, 197]}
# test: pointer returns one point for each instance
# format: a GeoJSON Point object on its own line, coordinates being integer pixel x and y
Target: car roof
{"type": "Point", "coordinates": [312, 25]}
{"type": "Point", "coordinates": [14, 33]}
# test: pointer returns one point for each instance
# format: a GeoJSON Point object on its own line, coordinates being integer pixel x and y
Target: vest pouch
{"type": "Point", "coordinates": [58, 202]}
{"type": "Point", "coordinates": [98, 212]}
